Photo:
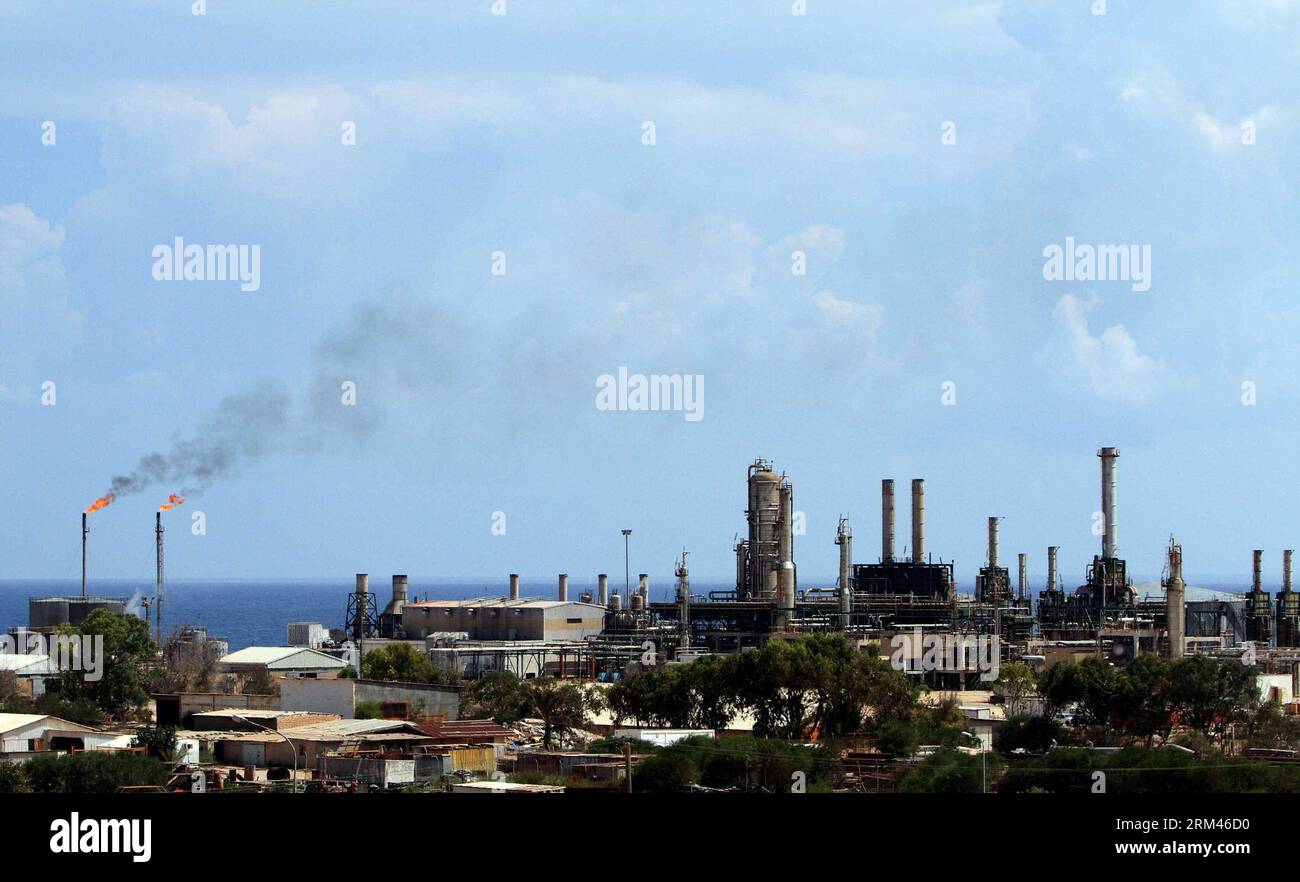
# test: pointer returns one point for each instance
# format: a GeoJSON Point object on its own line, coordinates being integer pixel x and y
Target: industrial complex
{"type": "Point", "coordinates": [309, 709]}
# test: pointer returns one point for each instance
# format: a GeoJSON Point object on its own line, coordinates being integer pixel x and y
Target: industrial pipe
{"type": "Point", "coordinates": [887, 520]}
{"type": "Point", "coordinates": [514, 586]}
{"type": "Point", "coordinates": [1110, 533]}
{"type": "Point", "coordinates": [564, 586]}
{"type": "Point", "coordinates": [918, 520]}
{"type": "Point", "coordinates": [602, 591]}
{"type": "Point", "coordinates": [993, 543]}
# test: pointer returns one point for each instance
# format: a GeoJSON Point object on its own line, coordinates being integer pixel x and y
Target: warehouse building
{"type": "Point", "coordinates": [504, 619]}
{"type": "Point", "coordinates": [281, 661]}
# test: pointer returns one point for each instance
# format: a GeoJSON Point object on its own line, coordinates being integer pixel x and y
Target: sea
{"type": "Point", "coordinates": [257, 612]}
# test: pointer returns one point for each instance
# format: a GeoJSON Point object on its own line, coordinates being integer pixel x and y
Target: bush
{"type": "Point", "coordinates": [94, 772]}
{"type": "Point", "coordinates": [667, 772]}
{"type": "Point", "coordinates": [950, 771]}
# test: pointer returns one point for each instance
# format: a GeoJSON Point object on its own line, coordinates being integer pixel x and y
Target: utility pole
{"type": "Point", "coordinates": [627, 767]}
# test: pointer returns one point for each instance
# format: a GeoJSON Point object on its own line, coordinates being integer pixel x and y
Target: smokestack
{"type": "Point", "coordinates": [1051, 567]}
{"type": "Point", "coordinates": [84, 532]}
{"type": "Point", "coordinates": [401, 586]}
{"type": "Point", "coordinates": [602, 592]}
{"type": "Point", "coordinates": [1110, 540]}
{"type": "Point", "coordinates": [514, 586]}
{"type": "Point", "coordinates": [918, 520]}
{"type": "Point", "coordinates": [786, 541]}
{"type": "Point", "coordinates": [844, 539]}
{"type": "Point", "coordinates": [993, 542]}
{"type": "Point", "coordinates": [362, 598]}
{"type": "Point", "coordinates": [785, 594]}
{"type": "Point", "coordinates": [158, 588]}
{"type": "Point", "coordinates": [887, 520]}
{"type": "Point", "coordinates": [643, 588]}
{"type": "Point", "coordinates": [1256, 582]}
{"type": "Point", "coordinates": [1286, 570]}
{"type": "Point", "coordinates": [564, 586]}
{"type": "Point", "coordinates": [1023, 585]}
{"type": "Point", "coordinates": [1174, 608]}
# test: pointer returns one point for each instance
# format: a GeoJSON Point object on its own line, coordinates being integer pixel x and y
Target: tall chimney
{"type": "Point", "coordinates": [1256, 581]}
{"type": "Point", "coordinates": [785, 543]}
{"type": "Point", "coordinates": [514, 586]}
{"type": "Point", "coordinates": [887, 520]}
{"type": "Point", "coordinates": [918, 520]}
{"type": "Point", "coordinates": [84, 532]}
{"type": "Point", "coordinates": [1110, 540]}
{"type": "Point", "coordinates": [1286, 570]}
{"type": "Point", "coordinates": [643, 588]}
{"type": "Point", "coordinates": [564, 586]}
{"type": "Point", "coordinates": [1023, 585]}
{"type": "Point", "coordinates": [993, 543]}
{"type": "Point", "coordinates": [1051, 567]}
{"type": "Point", "coordinates": [401, 586]}
{"type": "Point", "coordinates": [602, 592]}
{"type": "Point", "coordinates": [362, 595]}
{"type": "Point", "coordinates": [844, 539]}
{"type": "Point", "coordinates": [158, 589]}
{"type": "Point", "coordinates": [1174, 607]}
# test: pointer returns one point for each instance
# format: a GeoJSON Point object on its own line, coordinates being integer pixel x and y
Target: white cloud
{"type": "Point", "coordinates": [1108, 364]}
{"type": "Point", "coordinates": [38, 320]}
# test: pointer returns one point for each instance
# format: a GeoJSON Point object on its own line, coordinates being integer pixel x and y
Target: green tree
{"type": "Point", "coordinates": [1016, 684]}
{"type": "Point", "coordinates": [159, 742]}
{"type": "Point", "coordinates": [499, 695]}
{"type": "Point", "coordinates": [561, 706]}
{"type": "Point", "coordinates": [400, 661]}
{"type": "Point", "coordinates": [1210, 694]}
{"type": "Point", "coordinates": [128, 653]}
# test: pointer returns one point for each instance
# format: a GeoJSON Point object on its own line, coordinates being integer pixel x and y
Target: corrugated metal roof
{"type": "Point", "coordinates": [466, 730]}
{"type": "Point", "coordinates": [269, 655]}
{"type": "Point", "coordinates": [9, 722]}
{"type": "Point", "coordinates": [333, 731]}
{"type": "Point", "coordinates": [499, 602]}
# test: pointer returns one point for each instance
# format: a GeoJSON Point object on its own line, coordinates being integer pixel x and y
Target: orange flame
{"type": "Point", "coordinates": [172, 501]}
{"type": "Point", "coordinates": [100, 503]}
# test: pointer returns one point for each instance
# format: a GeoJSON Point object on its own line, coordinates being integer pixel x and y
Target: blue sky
{"type": "Point", "coordinates": [522, 133]}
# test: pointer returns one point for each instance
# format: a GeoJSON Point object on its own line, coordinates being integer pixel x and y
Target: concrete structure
{"type": "Point", "coordinates": [256, 720]}
{"type": "Point", "coordinates": [24, 734]}
{"type": "Point", "coordinates": [503, 787]}
{"type": "Point", "coordinates": [315, 741]}
{"type": "Point", "coordinates": [284, 661]}
{"type": "Point", "coordinates": [341, 695]}
{"type": "Point", "coordinates": [32, 671]}
{"type": "Point", "coordinates": [661, 737]}
{"type": "Point", "coordinates": [504, 619]}
{"type": "Point", "coordinates": [309, 634]}
{"type": "Point", "coordinates": [178, 708]}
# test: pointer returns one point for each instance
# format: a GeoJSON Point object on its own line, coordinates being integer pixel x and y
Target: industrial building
{"type": "Point", "coordinates": [280, 661]}
{"type": "Point", "coordinates": [46, 614]}
{"type": "Point", "coordinates": [504, 619]}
